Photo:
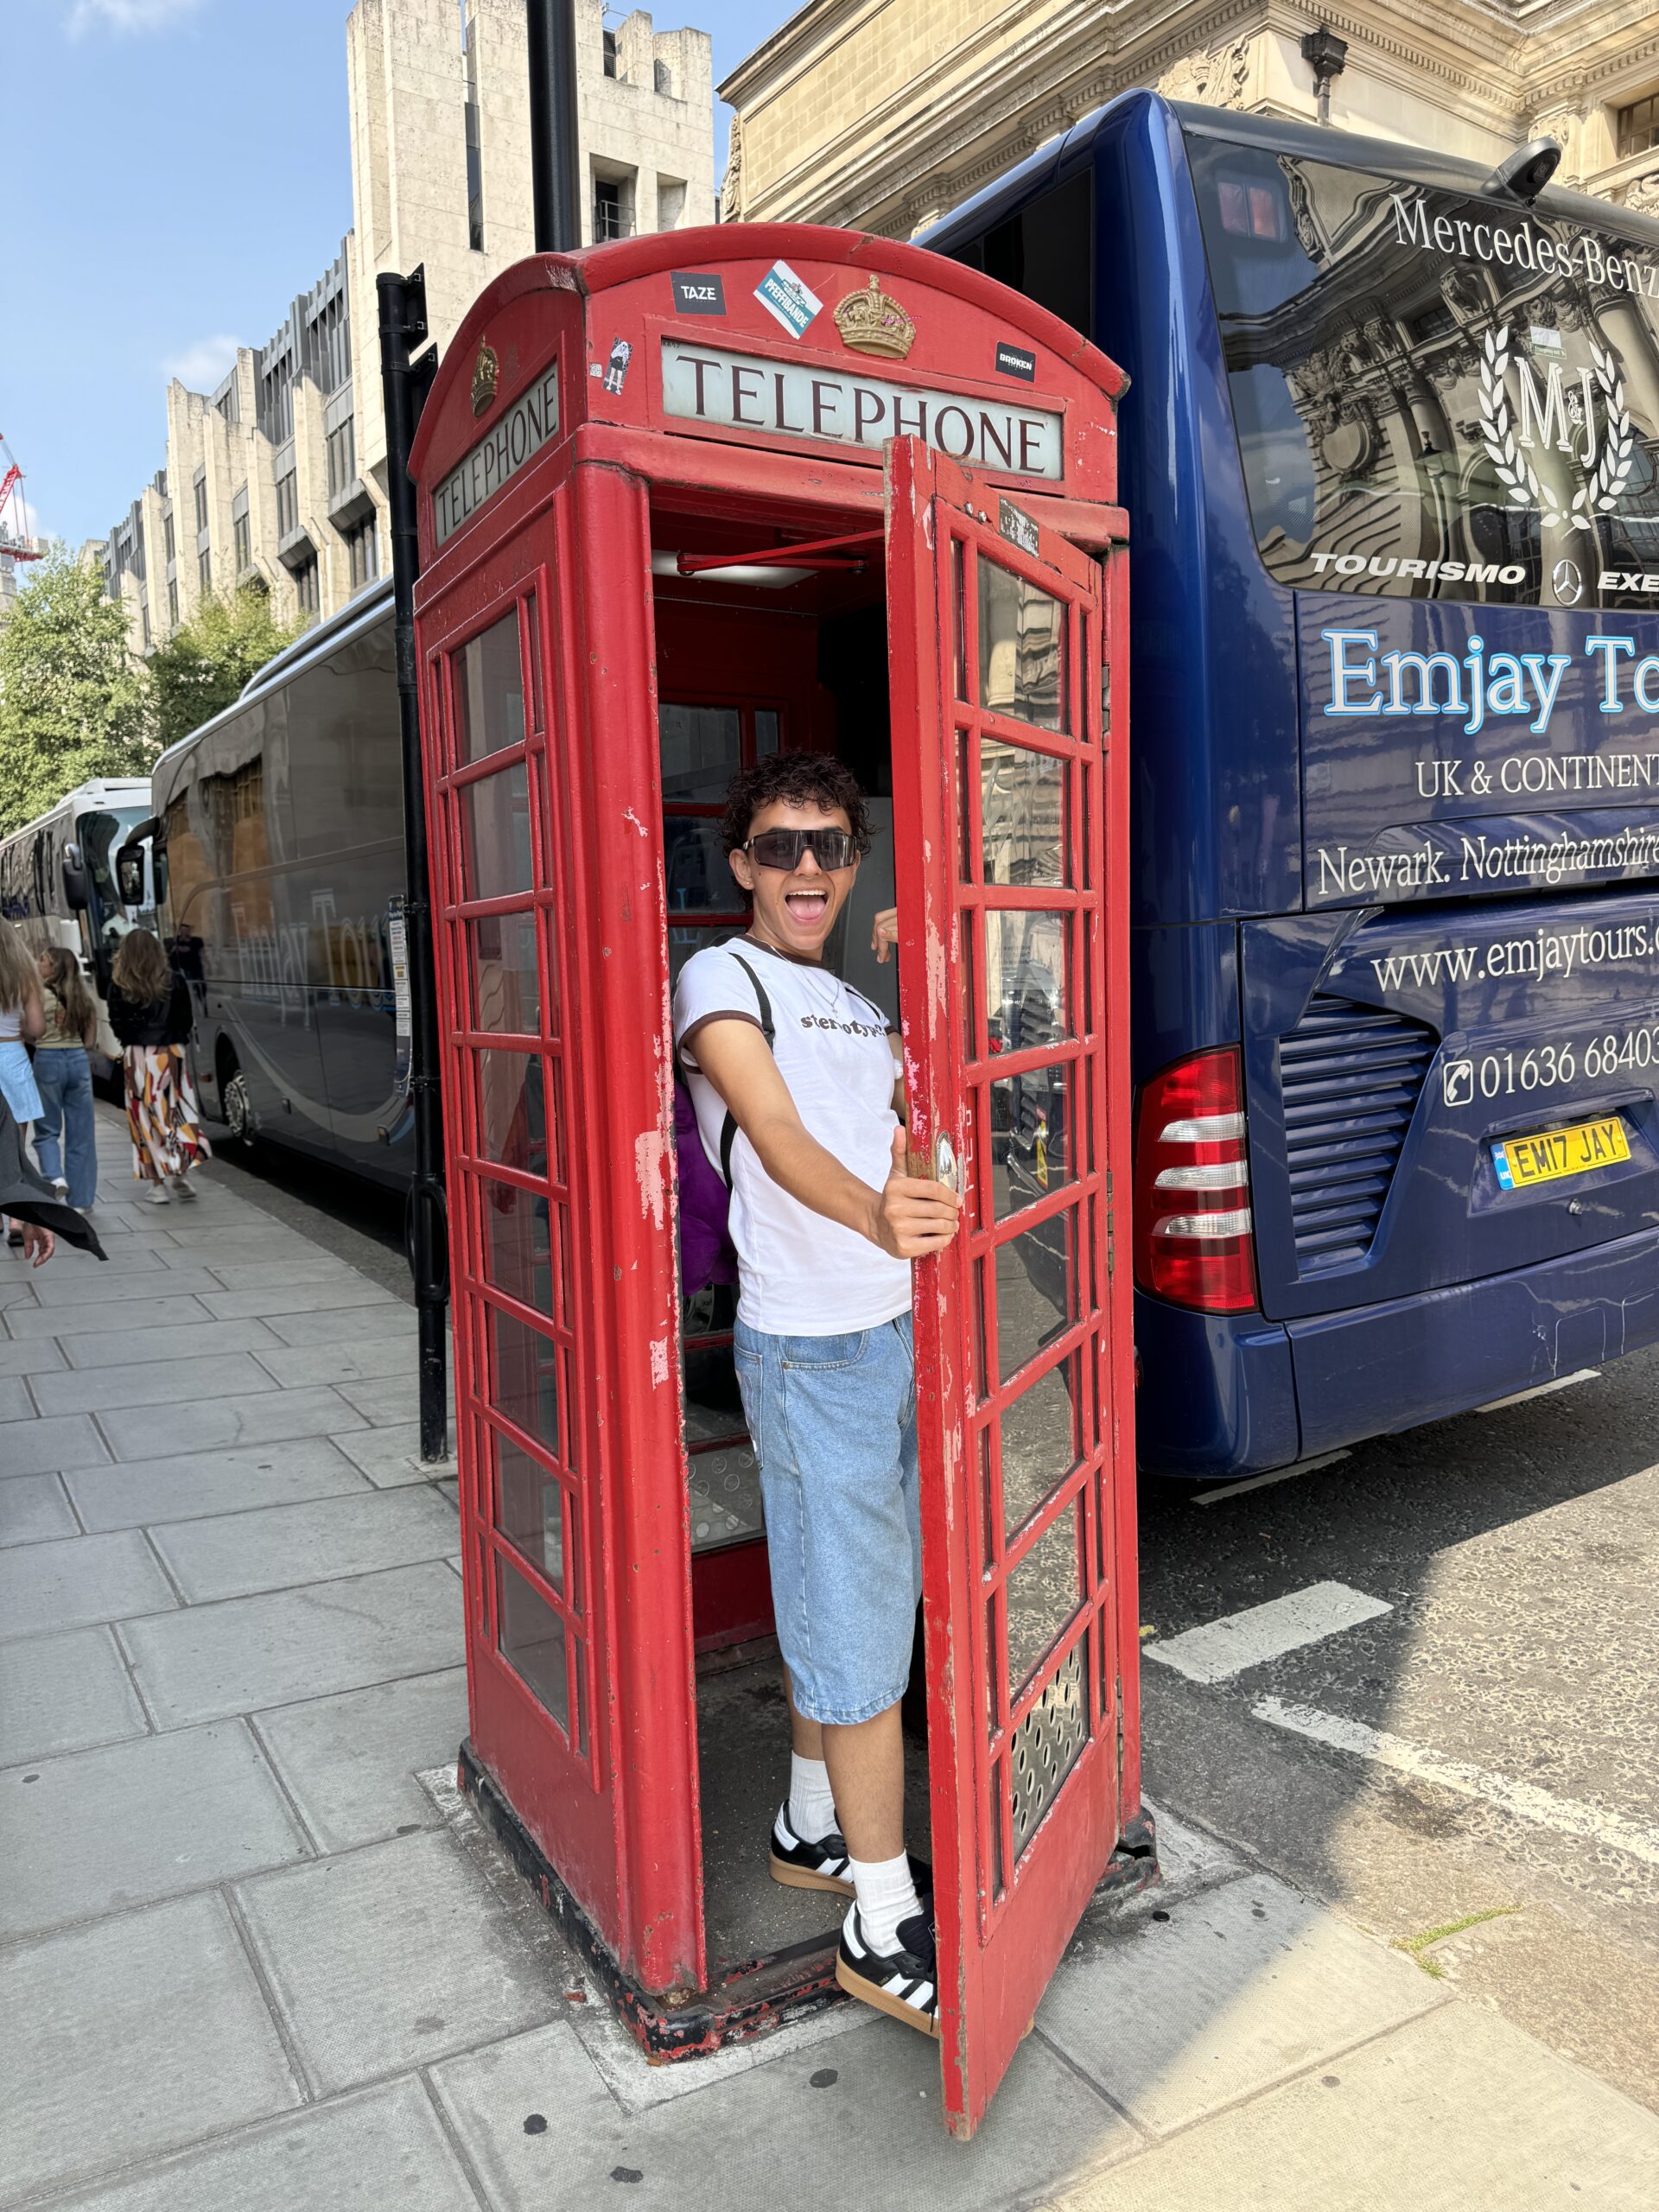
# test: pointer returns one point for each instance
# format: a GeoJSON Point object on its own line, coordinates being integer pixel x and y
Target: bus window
{"type": "Point", "coordinates": [1436, 395]}
{"type": "Point", "coordinates": [1046, 250]}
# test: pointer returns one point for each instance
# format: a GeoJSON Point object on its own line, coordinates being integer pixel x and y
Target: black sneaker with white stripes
{"type": "Point", "coordinates": [902, 1982]}
{"type": "Point", "coordinates": [799, 1865]}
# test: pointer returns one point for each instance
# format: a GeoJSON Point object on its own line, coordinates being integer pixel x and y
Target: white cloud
{"type": "Point", "coordinates": [200, 366]}
{"type": "Point", "coordinates": [122, 16]}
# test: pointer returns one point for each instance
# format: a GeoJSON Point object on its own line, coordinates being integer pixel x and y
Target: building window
{"type": "Point", "coordinates": [305, 587]}
{"type": "Point", "coordinates": [277, 400]}
{"type": "Point", "coordinates": [474, 145]}
{"type": "Point", "coordinates": [662, 80]}
{"type": "Point", "coordinates": [329, 344]}
{"type": "Point", "coordinates": [288, 505]}
{"type": "Point", "coordinates": [670, 202]}
{"type": "Point", "coordinates": [167, 533]}
{"type": "Point", "coordinates": [172, 603]}
{"type": "Point", "coordinates": [610, 211]}
{"type": "Point", "coordinates": [363, 552]}
{"type": "Point", "coordinates": [143, 621]}
{"type": "Point", "coordinates": [1638, 126]}
{"type": "Point", "coordinates": [342, 456]}
{"type": "Point", "coordinates": [610, 54]}
{"type": "Point", "coordinates": [201, 503]}
{"type": "Point", "coordinates": [230, 403]}
{"type": "Point", "coordinates": [244, 537]}
{"type": "Point", "coordinates": [204, 571]}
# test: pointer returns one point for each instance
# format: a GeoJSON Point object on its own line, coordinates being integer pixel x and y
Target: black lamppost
{"type": "Point", "coordinates": [405, 379]}
{"type": "Point", "coordinates": [555, 157]}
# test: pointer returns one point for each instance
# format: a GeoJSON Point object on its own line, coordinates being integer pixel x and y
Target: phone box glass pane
{"type": "Point", "coordinates": [1021, 648]}
{"type": "Point", "coordinates": [1039, 1442]}
{"type": "Point", "coordinates": [489, 692]}
{"type": "Point", "coordinates": [523, 1377]}
{"type": "Point", "coordinates": [530, 1509]}
{"type": "Point", "coordinates": [1036, 1290]}
{"type": "Point", "coordinates": [1044, 1592]}
{"type": "Point", "coordinates": [495, 833]}
{"type": "Point", "coordinates": [507, 983]}
{"type": "Point", "coordinates": [532, 1640]}
{"type": "Point", "coordinates": [694, 863]}
{"type": "Point", "coordinates": [702, 751]}
{"type": "Point", "coordinates": [1026, 1001]}
{"type": "Point", "coordinates": [517, 1254]}
{"type": "Point", "coordinates": [511, 1118]}
{"type": "Point", "coordinates": [1022, 813]}
{"type": "Point", "coordinates": [1030, 1131]}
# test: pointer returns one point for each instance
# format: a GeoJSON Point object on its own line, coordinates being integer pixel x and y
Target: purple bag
{"type": "Point", "coordinates": [706, 1251]}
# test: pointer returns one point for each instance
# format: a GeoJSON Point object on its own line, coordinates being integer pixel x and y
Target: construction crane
{"type": "Point", "coordinates": [13, 548]}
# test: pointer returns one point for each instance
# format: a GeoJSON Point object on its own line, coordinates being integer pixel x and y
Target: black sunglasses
{"type": "Point", "coordinates": [782, 849]}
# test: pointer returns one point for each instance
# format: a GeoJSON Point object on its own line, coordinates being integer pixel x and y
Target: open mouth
{"type": "Point", "coordinates": [808, 906]}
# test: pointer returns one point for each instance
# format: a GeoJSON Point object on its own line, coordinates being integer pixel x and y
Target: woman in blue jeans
{"type": "Point", "coordinates": [65, 1134]}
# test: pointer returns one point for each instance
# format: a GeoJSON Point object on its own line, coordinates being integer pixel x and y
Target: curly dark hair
{"type": "Point", "coordinates": [803, 779]}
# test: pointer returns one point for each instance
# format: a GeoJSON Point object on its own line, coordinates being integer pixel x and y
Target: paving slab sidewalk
{"type": "Point", "coordinates": [256, 1952]}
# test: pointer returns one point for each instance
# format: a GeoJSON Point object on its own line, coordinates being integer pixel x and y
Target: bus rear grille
{"type": "Point", "coordinates": [1348, 1075]}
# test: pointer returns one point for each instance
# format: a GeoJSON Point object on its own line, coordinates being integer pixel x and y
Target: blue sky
{"type": "Point", "coordinates": [179, 172]}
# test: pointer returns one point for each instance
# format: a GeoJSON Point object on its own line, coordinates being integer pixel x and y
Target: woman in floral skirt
{"type": "Point", "coordinates": [149, 1013]}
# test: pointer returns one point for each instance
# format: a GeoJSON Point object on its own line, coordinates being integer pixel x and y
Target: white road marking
{"type": "Point", "coordinates": [1569, 1814]}
{"type": "Point", "coordinates": [1275, 1475]}
{"type": "Point", "coordinates": [1541, 1389]}
{"type": "Point", "coordinates": [1228, 1646]}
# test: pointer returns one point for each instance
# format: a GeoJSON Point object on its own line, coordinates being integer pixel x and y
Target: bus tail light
{"type": "Point", "coordinates": [1194, 1237]}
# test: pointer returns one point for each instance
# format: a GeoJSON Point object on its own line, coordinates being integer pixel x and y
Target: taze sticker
{"type": "Point", "coordinates": [1015, 361]}
{"type": "Point", "coordinates": [784, 296]}
{"type": "Point", "coordinates": [1017, 527]}
{"type": "Point", "coordinates": [616, 369]}
{"type": "Point", "coordinates": [698, 294]}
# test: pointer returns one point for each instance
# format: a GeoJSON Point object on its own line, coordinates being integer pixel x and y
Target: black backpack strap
{"type": "Point", "coordinates": [761, 1001]}
{"type": "Point", "coordinates": [728, 1127]}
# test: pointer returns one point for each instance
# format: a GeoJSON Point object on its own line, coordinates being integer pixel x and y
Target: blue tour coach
{"type": "Point", "coordinates": [1391, 457]}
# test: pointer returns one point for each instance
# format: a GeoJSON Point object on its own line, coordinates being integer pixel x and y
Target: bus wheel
{"type": "Point", "coordinates": [239, 1106]}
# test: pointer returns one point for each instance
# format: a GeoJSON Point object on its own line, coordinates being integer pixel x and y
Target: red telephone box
{"type": "Point", "coordinates": [687, 499]}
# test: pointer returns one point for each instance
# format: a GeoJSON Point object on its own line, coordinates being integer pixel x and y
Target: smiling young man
{"type": "Point", "coordinates": [796, 1081]}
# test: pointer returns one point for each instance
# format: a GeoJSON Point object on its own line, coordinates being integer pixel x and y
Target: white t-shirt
{"type": "Point", "coordinates": [799, 1273]}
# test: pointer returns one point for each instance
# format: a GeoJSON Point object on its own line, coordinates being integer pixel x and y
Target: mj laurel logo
{"type": "Point", "coordinates": [1561, 416]}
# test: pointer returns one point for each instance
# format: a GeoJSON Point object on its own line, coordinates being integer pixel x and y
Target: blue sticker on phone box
{"type": "Point", "coordinates": [783, 295]}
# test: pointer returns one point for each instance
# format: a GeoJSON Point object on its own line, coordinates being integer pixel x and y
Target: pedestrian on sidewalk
{"type": "Point", "coordinates": [149, 1013]}
{"type": "Point", "coordinates": [66, 1134]}
{"type": "Point", "coordinates": [37, 1214]}
{"type": "Point", "coordinates": [21, 1019]}
{"type": "Point", "coordinates": [798, 1084]}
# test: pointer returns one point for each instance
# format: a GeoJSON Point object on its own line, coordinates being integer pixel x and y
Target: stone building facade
{"type": "Point", "coordinates": [279, 474]}
{"type": "Point", "coordinates": [886, 113]}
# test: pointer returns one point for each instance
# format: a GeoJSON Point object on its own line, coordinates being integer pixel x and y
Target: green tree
{"type": "Point", "coordinates": [205, 663]}
{"type": "Point", "coordinates": [74, 701]}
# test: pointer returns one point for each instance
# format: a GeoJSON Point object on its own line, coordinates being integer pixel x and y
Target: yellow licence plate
{"type": "Point", "coordinates": [1555, 1152]}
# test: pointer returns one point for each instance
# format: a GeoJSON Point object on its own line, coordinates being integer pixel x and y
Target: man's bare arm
{"type": "Point", "coordinates": [907, 1217]}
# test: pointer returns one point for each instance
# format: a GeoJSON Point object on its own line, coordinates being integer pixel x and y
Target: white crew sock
{"type": "Point", "coordinates": [887, 1895]}
{"type": "Point", "coordinates": [812, 1801]}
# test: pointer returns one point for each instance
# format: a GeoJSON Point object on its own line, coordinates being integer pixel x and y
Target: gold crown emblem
{"type": "Point", "coordinates": [486, 374]}
{"type": "Point", "coordinates": [873, 322]}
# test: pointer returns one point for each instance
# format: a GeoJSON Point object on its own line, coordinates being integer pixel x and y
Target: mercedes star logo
{"type": "Point", "coordinates": [1566, 582]}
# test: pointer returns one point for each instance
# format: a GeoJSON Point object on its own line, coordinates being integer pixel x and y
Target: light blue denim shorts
{"type": "Point", "coordinates": [833, 1421]}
